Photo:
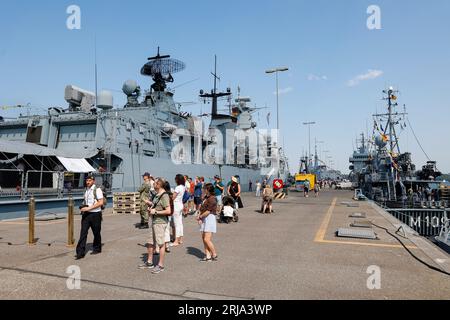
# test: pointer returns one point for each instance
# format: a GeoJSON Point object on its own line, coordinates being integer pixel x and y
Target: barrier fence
{"type": "Point", "coordinates": [426, 222]}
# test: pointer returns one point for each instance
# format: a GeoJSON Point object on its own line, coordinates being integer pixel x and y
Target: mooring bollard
{"type": "Point", "coordinates": [31, 221]}
{"type": "Point", "coordinates": [70, 225]}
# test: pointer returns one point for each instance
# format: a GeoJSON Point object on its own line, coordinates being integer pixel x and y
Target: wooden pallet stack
{"type": "Point", "coordinates": [126, 203]}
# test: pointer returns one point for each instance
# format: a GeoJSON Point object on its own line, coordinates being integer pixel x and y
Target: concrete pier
{"type": "Point", "coordinates": [292, 254]}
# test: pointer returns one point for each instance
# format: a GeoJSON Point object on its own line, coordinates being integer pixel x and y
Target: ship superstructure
{"type": "Point", "coordinates": [47, 156]}
{"type": "Point", "coordinates": [383, 171]}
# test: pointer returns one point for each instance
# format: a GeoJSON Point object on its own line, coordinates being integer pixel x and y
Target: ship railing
{"type": "Point", "coordinates": [12, 183]}
{"type": "Point", "coordinates": [108, 182]}
{"type": "Point", "coordinates": [426, 222]}
{"type": "Point", "coordinates": [20, 185]}
{"type": "Point", "coordinates": [48, 184]}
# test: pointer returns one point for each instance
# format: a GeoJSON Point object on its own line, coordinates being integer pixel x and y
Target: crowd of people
{"type": "Point", "coordinates": [164, 206]}
{"type": "Point", "coordinates": [163, 209]}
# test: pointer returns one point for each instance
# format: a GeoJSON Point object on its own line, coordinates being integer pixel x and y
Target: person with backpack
{"type": "Point", "coordinates": [159, 212]}
{"type": "Point", "coordinates": [91, 211]}
{"type": "Point", "coordinates": [180, 198]}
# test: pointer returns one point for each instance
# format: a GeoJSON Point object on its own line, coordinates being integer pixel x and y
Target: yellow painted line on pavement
{"type": "Point", "coordinates": [380, 245]}
{"type": "Point", "coordinates": [320, 236]}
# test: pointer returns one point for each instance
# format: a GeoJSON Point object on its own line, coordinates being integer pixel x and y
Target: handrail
{"type": "Point", "coordinates": [59, 190]}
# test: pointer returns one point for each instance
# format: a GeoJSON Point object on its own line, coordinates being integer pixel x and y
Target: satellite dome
{"type": "Point", "coordinates": [380, 142]}
{"type": "Point", "coordinates": [105, 100]}
{"type": "Point", "coordinates": [129, 87]}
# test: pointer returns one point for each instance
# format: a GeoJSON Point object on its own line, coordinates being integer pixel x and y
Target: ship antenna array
{"type": "Point", "coordinates": [391, 119]}
{"type": "Point", "coordinates": [214, 95]}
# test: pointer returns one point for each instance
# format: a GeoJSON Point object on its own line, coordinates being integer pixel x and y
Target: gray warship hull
{"type": "Point", "coordinates": [48, 156]}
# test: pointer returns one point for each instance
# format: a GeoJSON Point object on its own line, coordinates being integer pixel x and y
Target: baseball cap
{"type": "Point", "coordinates": [147, 175]}
{"type": "Point", "coordinates": [90, 177]}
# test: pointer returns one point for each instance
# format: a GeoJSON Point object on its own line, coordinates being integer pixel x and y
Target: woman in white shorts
{"type": "Point", "coordinates": [208, 223]}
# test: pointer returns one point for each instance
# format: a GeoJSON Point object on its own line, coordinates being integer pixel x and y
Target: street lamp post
{"type": "Point", "coordinates": [309, 124]}
{"type": "Point", "coordinates": [276, 71]}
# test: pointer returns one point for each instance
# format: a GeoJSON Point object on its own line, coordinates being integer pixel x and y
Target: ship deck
{"type": "Point", "coordinates": [292, 254]}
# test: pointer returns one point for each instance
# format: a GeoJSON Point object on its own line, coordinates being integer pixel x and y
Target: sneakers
{"type": "Point", "coordinates": [206, 260]}
{"type": "Point", "coordinates": [158, 269]}
{"type": "Point", "coordinates": [212, 259]}
{"type": "Point", "coordinates": [147, 266]}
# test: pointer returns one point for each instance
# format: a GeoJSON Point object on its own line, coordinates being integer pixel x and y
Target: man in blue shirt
{"type": "Point", "coordinates": [198, 190]}
{"type": "Point", "coordinates": [219, 187]}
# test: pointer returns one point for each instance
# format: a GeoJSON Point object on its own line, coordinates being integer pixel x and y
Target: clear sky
{"type": "Point", "coordinates": [325, 43]}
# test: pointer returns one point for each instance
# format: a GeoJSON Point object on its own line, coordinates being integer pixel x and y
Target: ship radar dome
{"type": "Point", "coordinates": [129, 87]}
{"type": "Point", "coordinates": [105, 100]}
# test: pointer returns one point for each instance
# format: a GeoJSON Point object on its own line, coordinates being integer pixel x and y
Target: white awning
{"type": "Point", "coordinates": [76, 165]}
{"type": "Point", "coordinates": [25, 148]}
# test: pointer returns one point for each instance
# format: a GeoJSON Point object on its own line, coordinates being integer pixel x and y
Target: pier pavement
{"type": "Point", "coordinates": [292, 254]}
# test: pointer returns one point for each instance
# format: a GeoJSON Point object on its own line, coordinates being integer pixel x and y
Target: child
{"type": "Point", "coordinates": [228, 210]}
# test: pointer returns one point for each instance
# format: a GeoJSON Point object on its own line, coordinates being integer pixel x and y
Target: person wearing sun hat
{"type": "Point", "coordinates": [234, 190]}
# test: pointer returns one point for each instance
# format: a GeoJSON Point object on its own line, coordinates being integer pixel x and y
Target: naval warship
{"type": "Point", "coordinates": [48, 156]}
{"type": "Point", "coordinates": [381, 172]}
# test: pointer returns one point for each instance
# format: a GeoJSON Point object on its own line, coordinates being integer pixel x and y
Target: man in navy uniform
{"type": "Point", "coordinates": [91, 218]}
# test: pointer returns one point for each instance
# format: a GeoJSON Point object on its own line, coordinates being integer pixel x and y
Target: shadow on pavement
{"type": "Point", "coordinates": [195, 252]}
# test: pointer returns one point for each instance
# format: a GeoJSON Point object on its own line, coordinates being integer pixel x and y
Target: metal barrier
{"type": "Point", "coordinates": [426, 222]}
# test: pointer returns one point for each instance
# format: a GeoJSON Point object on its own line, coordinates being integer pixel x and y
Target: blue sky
{"type": "Point", "coordinates": [325, 43]}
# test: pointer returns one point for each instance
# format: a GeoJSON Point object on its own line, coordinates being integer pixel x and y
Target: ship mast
{"type": "Point", "coordinates": [214, 95]}
{"type": "Point", "coordinates": [392, 119]}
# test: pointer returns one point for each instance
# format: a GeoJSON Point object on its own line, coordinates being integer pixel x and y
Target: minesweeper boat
{"type": "Point", "coordinates": [383, 173]}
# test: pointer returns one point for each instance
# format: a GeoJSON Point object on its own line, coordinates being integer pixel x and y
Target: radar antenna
{"type": "Point", "coordinates": [161, 68]}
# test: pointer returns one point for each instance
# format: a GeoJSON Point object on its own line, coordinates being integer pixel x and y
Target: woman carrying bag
{"type": "Point", "coordinates": [234, 190]}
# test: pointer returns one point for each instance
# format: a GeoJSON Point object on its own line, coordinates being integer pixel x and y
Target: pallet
{"type": "Point", "coordinates": [125, 208]}
{"type": "Point", "coordinates": [125, 212]}
{"type": "Point", "coordinates": [126, 203]}
{"type": "Point", "coordinates": [126, 198]}
{"type": "Point", "coordinates": [126, 194]}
